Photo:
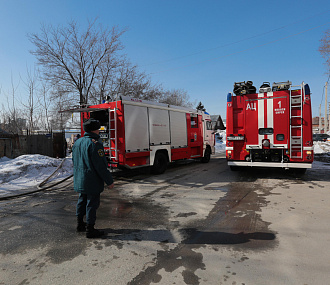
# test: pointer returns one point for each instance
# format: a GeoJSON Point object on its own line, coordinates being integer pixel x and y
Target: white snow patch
{"type": "Point", "coordinates": [220, 141]}
{"type": "Point", "coordinates": [28, 171]}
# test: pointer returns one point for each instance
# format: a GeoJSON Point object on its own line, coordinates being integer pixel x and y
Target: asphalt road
{"type": "Point", "coordinates": [195, 224]}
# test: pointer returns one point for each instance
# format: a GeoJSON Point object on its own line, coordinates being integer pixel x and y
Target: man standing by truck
{"type": "Point", "coordinates": [90, 174]}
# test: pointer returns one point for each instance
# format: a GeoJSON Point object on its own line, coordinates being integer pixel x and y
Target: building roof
{"type": "Point", "coordinates": [2, 132]}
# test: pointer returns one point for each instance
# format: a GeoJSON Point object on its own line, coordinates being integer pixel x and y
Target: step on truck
{"type": "Point", "coordinates": [272, 128]}
{"type": "Point", "coordinates": [137, 133]}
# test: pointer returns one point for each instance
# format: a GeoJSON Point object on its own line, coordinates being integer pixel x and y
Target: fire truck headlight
{"type": "Point", "coordinates": [309, 152]}
{"type": "Point", "coordinates": [229, 152]}
{"type": "Point", "coordinates": [266, 143]}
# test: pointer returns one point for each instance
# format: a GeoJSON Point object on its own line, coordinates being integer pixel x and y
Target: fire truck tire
{"type": "Point", "coordinates": [207, 156]}
{"type": "Point", "coordinates": [160, 163]}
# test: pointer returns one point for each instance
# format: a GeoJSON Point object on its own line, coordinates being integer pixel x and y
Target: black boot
{"type": "Point", "coordinates": [81, 225]}
{"type": "Point", "coordinates": [93, 233]}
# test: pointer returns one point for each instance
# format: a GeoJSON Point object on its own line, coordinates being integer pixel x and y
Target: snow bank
{"type": "Point", "coordinates": [321, 147]}
{"type": "Point", "coordinates": [3, 159]}
{"type": "Point", "coordinates": [28, 171]}
{"type": "Point", "coordinates": [220, 141]}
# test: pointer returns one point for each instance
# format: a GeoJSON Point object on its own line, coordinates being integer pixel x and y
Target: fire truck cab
{"type": "Point", "coordinates": [272, 128]}
{"type": "Point", "coordinates": [138, 133]}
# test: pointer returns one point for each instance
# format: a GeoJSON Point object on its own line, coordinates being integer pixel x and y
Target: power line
{"type": "Point", "coordinates": [235, 42]}
{"type": "Point", "coordinates": [238, 52]}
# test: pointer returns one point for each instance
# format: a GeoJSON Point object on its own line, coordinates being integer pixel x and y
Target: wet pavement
{"type": "Point", "coordinates": [195, 224]}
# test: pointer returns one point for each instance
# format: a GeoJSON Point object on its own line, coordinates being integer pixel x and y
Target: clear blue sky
{"type": "Point", "coordinates": [202, 46]}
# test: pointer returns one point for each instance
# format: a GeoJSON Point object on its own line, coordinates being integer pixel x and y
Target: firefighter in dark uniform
{"type": "Point", "coordinates": [90, 173]}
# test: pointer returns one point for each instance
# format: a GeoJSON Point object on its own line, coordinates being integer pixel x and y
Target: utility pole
{"type": "Point", "coordinates": [320, 121]}
{"type": "Point", "coordinates": [326, 109]}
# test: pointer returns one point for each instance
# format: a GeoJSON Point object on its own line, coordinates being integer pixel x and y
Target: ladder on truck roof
{"type": "Point", "coordinates": [296, 122]}
{"type": "Point", "coordinates": [113, 150]}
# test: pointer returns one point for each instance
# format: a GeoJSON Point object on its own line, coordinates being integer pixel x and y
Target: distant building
{"type": "Point", "coordinates": [316, 125]}
{"type": "Point", "coordinates": [217, 122]}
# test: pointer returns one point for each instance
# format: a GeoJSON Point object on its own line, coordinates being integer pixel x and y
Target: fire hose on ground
{"type": "Point", "coordinates": [40, 186]}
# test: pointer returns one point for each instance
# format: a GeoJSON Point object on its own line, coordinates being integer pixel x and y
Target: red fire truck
{"type": "Point", "coordinates": [138, 133]}
{"type": "Point", "coordinates": [272, 128]}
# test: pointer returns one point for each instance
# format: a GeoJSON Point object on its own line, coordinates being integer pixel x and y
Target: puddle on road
{"type": "Point", "coordinates": [224, 226]}
{"type": "Point", "coordinates": [117, 212]}
{"type": "Point", "coordinates": [235, 220]}
{"type": "Point", "coordinates": [224, 238]}
{"type": "Point", "coordinates": [120, 208]}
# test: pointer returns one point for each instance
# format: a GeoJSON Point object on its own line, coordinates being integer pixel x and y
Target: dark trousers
{"type": "Point", "coordinates": [87, 205]}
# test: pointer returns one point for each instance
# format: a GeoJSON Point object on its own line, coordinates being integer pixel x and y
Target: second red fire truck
{"type": "Point", "coordinates": [269, 128]}
{"type": "Point", "coordinates": [138, 133]}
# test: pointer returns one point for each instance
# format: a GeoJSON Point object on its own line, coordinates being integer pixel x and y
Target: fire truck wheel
{"type": "Point", "coordinates": [160, 163]}
{"type": "Point", "coordinates": [207, 156]}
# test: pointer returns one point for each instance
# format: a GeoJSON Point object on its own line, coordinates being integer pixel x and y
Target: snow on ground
{"type": "Point", "coordinates": [220, 141]}
{"type": "Point", "coordinates": [28, 171]}
{"type": "Point", "coordinates": [321, 147]}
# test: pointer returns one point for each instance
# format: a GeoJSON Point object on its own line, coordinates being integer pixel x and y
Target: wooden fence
{"type": "Point", "coordinates": [53, 145]}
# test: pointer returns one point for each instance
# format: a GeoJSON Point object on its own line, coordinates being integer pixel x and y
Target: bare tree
{"type": "Point", "coordinates": [178, 97]}
{"type": "Point", "coordinates": [61, 99]}
{"type": "Point", "coordinates": [89, 64]}
{"type": "Point", "coordinates": [125, 79]}
{"type": "Point", "coordinates": [131, 82]}
{"type": "Point", "coordinates": [107, 74]}
{"type": "Point", "coordinates": [75, 58]}
{"type": "Point", "coordinates": [325, 48]}
{"type": "Point", "coordinates": [13, 121]}
{"type": "Point", "coordinates": [30, 106]}
{"type": "Point", "coordinates": [45, 103]}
